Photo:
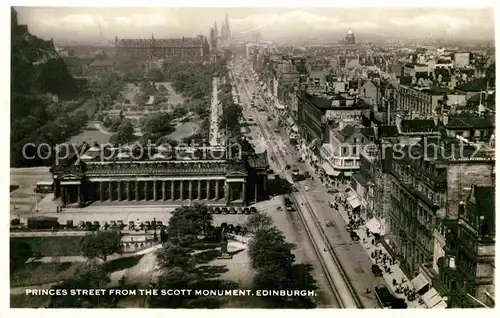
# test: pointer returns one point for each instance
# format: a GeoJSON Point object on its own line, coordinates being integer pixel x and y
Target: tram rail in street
{"type": "Point", "coordinates": [343, 290]}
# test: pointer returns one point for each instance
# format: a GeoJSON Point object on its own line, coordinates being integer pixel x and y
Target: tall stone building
{"type": "Point", "coordinates": [190, 49]}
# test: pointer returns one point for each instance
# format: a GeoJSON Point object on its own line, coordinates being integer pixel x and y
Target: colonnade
{"type": "Point", "coordinates": [155, 190]}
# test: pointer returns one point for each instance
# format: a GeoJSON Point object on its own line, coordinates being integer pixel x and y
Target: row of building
{"type": "Point", "coordinates": [419, 156]}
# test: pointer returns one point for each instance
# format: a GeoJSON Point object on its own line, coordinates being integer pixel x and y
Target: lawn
{"type": "Point", "coordinates": [41, 273]}
{"type": "Point", "coordinates": [90, 135]}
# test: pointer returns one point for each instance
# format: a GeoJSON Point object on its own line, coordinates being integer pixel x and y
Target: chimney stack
{"type": "Point", "coordinates": [399, 121]}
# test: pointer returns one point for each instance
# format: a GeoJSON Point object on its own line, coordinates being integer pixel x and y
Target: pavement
{"type": "Point", "coordinates": [395, 271]}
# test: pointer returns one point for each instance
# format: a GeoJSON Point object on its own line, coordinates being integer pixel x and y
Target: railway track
{"type": "Point", "coordinates": [348, 299]}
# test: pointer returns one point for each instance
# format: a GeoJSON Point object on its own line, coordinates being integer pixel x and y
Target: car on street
{"type": "Point", "coordinates": [384, 296]}
{"type": "Point", "coordinates": [250, 118]}
{"type": "Point", "coordinates": [277, 130]}
{"type": "Point", "coordinates": [376, 270]}
{"type": "Point", "coordinates": [139, 226]}
{"type": "Point", "coordinates": [290, 208]}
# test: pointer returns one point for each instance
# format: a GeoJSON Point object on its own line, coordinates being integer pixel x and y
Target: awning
{"type": "Point", "coordinates": [348, 173]}
{"type": "Point", "coordinates": [295, 128]}
{"type": "Point", "coordinates": [278, 105]}
{"type": "Point", "coordinates": [432, 298]}
{"type": "Point", "coordinates": [441, 305]}
{"type": "Point", "coordinates": [354, 202]}
{"type": "Point", "coordinates": [419, 282]}
{"type": "Point", "coordinates": [329, 170]}
{"type": "Point", "coordinates": [373, 226]}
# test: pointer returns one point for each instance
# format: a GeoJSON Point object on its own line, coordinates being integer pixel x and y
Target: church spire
{"type": "Point", "coordinates": [226, 26]}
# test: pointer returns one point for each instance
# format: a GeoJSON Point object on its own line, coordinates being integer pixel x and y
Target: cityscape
{"type": "Point", "coordinates": [261, 158]}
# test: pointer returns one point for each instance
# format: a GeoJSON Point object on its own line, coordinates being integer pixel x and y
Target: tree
{"type": "Point", "coordinates": [179, 111]}
{"type": "Point", "coordinates": [155, 75]}
{"type": "Point", "coordinates": [101, 244]}
{"type": "Point", "coordinates": [259, 221]}
{"type": "Point", "coordinates": [107, 122]}
{"type": "Point", "coordinates": [175, 256]}
{"type": "Point", "coordinates": [175, 278]}
{"type": "Point", "coordinates": [295, 277]}
{"type": "Point", "coordinates": [187, 222]}
{"type": "Point", "coordinates": [20, 252]}
{"type": "Point", "coordinates": [268, 248]}
{"type": "Point", "coordinates": [86, 276]}
{"type": "Point", "coordinates": [124, 134]}
{"type": "Point", "coordinates": [116, 122]}
{"type": "Point", "coordinates": [231, 115]}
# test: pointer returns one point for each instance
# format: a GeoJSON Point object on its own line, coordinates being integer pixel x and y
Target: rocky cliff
{"type": "Point", "coordinates": [37, 71]}
{"type": "Point", "coordinates": [35, 65]}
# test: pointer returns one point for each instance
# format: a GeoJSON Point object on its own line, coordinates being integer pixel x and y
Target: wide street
{"type": "Point", "coordinates": [350, 254]}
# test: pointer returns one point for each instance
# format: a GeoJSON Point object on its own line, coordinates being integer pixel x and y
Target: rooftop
{"type": "Point", "coordinates": [387, 131]}
{"type": "Point", "coordinates": [349, 130]}
{"type": "Point", "coordinates": [418, 125]}
{"type": "Point", "coordinates": [325, 101]}
{"type": "Point", "coordinates": [466, 122]}
{"type": "Point", "coordinates": [475, 85]}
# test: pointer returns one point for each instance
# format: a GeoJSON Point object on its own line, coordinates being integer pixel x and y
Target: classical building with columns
{"type": "Point", "coordinates": [180, 179]}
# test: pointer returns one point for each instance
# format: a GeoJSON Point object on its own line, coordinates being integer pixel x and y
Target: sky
{"type": "Point", "coordinates": [71, 23]}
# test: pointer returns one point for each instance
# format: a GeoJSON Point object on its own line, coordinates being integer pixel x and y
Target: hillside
{"type": "Point", "coordinates": [37, 73]}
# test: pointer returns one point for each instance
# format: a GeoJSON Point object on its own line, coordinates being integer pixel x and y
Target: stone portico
{"type": "Point", "coordinates": [162, 181]}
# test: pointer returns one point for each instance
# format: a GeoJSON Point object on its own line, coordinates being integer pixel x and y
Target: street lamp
{"type": "Point", "coordinates": [155, 237]}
